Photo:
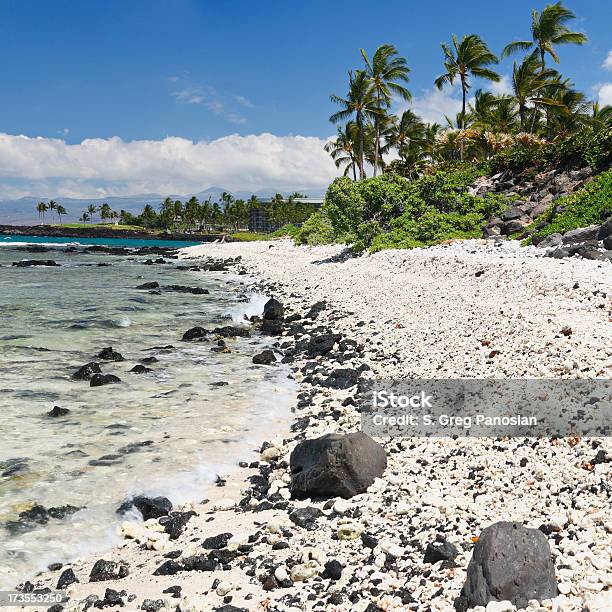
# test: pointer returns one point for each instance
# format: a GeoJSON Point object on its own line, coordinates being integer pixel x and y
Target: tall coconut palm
{"type": "Point", "coordinates": [529, 84]}
{"type": "Point", "coordinates": [386, 73]}
{"type": "Point", "coordinates": [547, 30]}
{"type": "Point", "coordinates": [493, 113]}
{"type": "Point", "coordinates": [52, 206]}
{"type": "Point", "coordinates": [468, 57]}
{"type": "Point", "coordinates": [344, 148]}
{"type": "Point", "coordinates": [361, 102]}
{"type": "Point", "coordinates": [41, 208]}
{"type": "Point", "coordinates": [408, 133]}
{"type": "Point", "coordinates": [92, 209]}
{"type": "Point", "coordinates": [61, 211]}
{"type": "Point", "coordinates": [105, 212]}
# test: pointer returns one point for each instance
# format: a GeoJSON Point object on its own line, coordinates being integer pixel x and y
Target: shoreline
{"type": "Point", "coordinates": [422, 499]}
{"type": "Point", "coordinates": [105, 232]}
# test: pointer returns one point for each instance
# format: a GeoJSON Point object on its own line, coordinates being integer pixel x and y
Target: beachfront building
{"type": "Point", "coordinates": [259, 217]}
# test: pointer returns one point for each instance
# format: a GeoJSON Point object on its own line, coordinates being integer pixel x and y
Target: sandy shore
{"type": "Point", "coordinates": [420, 313]}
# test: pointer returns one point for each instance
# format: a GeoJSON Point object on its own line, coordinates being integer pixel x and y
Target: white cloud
{"type": "Point", "coordinates": [608, 61]}
{"type": "Point", "coordinates": [103, 167]}
{"type": "Point", "coordinates": [242, 100]}
{"type": "Point", "coordinates": [189, 96]}
{"type": "Point", "coordinates": [434, 105]}
{"type": "Point", "coordinates": [604, 93]}
{"type": "Point", "coordinates": [502, 87]}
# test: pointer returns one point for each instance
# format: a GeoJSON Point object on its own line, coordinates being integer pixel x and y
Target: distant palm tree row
{"type": "Point", "coordinates": [51, 206]}
{"type": "Point", "coordinates": [543, 104]}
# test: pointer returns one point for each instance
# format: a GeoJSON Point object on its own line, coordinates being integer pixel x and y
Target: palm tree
{"type": "Point", "coordinates": [60, 211]}
{"type": "Point", "coordinates": [547, 30]}
{"type": "Point", "coordinates": [471, 56]}
{"type": "Point", "coordinates": [407, 134]}
{"type": "Point", "coordinates": [344, 149]}
{"type": "Point", "coordinates": [41, 208]}
{"type": "Point", "coordinates": [493, 113]}
{"type": "Point", "coordinates": [105, 211]}
{"type": "Point", "coordinates": [528, 85]}
{"type": "Point", "coordinates": [386, 72]}
{"type": "Point", "coordinates": [85, 217]}
{"type": "Point", "coordinates": [601, 116]}
{"type": "Point", "coordinates": [92, 209]}
{"type": "Point", "coordinates": [114, 217]}
{"type": "Point", "coordinates": [361, 102]}
{"type": "Point", "coordinates": [52, 206]}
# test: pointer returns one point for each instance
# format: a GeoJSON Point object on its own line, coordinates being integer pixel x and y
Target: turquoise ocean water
{"type": "Point", "coordinates": [118, 242]}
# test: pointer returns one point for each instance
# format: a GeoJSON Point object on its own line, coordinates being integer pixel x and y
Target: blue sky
{"type": "Point", "coordinates": [200, 70]}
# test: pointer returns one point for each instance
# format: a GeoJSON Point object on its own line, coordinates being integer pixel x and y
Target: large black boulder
{"type": "Point", "coordinates": [99, 380]}
{"type": "Point", "coordinates": [510, 563]}
{"type": "Point", "coordinates": [273, 310]}
{"type": "Point", "coordinates": [322, 344]}
{"type": "Point", "coordinates": [107, 570]}
{"type": "Point", "coordinates": [336, 465]}
{"type": "Point", "coordinates": [110, 355]}
{"type": "Point", "coordinates": [87, 371]}
{"type": "Point", "coordinates": [66, 578]}
{"type": "Point", "coordinates": [341, 378]}
{"type": "Point", "coordinates": [195, 333]}
{"type": "Point", "coordinates": [264, 358]}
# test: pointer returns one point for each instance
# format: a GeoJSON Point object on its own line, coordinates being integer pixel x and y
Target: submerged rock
{"type": "Point", "coordinates": [109, 354]}
{"type": "Point", "coordinates": [58, 411]}
{"type": "Point", "coordinates": [510, 563]}
{"type": "Point", "coordinates": [184, 289]}
{"type": "Point", "coordinates": [87, 371]}
{"type": "Point", "coordinates": [28, 263]}
{"type": "Point", "coordinates": [264, 358]}
{"type": "Point", "coordinates": [99, 380]}
{"type": "Point", "coordinates": [151, 285]}
{"type": "Point", "coordinates": [336, 465]}
{"type": "Point", "coordinates": [195, 333]}
{"type": "Point", "coordinates": [140, 369]}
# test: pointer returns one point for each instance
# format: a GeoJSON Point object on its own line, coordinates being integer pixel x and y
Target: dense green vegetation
{"type": "Point", "coordinates": [421, 197]}
{"type": "Point", "coordinates": [588, 206]}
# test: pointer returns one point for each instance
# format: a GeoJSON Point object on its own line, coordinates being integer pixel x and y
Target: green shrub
{"type": "Point", "coordinates": [287, 230]}
{"type": "Point", "coordinates": [587, 206]}
{"type": "Point", "coordinates": [390, 211]}
{"type": "Point", "coordinates": [317, 229]}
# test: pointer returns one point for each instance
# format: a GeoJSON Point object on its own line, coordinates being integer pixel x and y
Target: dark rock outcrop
{"type": "Point", "coordinates": [273, 310]}
{"type": "Point", "coordinates": [67, 577]}
{"type": "Point", "coordinates": [151, 285]}
{"type": "Point", "coordinates": [510, 562]}
{"type": "Point", "coordinates": [336, 465]}
{"type": "Point", "coordinates": [108, 570]}
{"type": "Point", "coordinates": [264, 358]}
{"type": "Point", "coordinates": [87, 371]}
{"type": "Point", "coordinates": [195, 333]}
{"type": "Point", "coordinates": [28, 263]}
{"type": "Point", "coordinates": [99, 380]}
{"type": "Point", "coordinates": [140, 369]}
{"type": "Point", "coordinates": [108, 354]}
{"type": "Point", "coordinates": [58, 411]}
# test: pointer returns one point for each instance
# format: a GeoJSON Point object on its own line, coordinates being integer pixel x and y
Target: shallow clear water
{"type": "Point", "coordinates": [55, 319]}
{"type": "Point", "coordinates": [12, 239]}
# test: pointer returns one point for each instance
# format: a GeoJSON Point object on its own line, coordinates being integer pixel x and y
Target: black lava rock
{"type": "Point", "coordinates": [175, 523]}
{"type": "Point", "coordinates": [341, 378]}
{"type": "Point", "coordinates": [510, 562]}
{"type": "Point", "coordinates": [336, 465]}
{"type": "Point", "coordinates": [108, 570]}
{"type": "Point", "coordinates": [149, 507]}
{"type": "Point", "coordinates": [140, 369]}
{"type": "Point", "coordinates": [440, 550]}
{"type": "Point", "coordinates": [87, 371]}
{"type": "Point", "coordinates": [195, 333]}
{"type": "Point", "coordinates": [333, 570]}
{"type": "Point", "coordinates": [108, 354]}
{"type": "Point", "coordinates": [264, 358]}
{"type": "Point", "coordinates": [217, 542]}
{"type": "Point", "coordinates": [306, 517]}
{"type": "Point", "coordinates": [273, 310]}
{"type": "Point", "coordinates": [28, 263]}
{"type": "Point", "coordinates": [66, 578]}
{"type": "Point", "coordinates": [231, 331]}
{"type": "Point", "coordinates": [58, 411]}
{"type": "Point", "coordinates": [99, 380]}
{"type": "Point", "coordinates": [152, 285]}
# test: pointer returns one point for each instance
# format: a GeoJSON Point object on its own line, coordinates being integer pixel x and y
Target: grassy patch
{"type": "Point", "coordinates": [249, 236]}
{"type": "Point", "coordinates": [137, 228]}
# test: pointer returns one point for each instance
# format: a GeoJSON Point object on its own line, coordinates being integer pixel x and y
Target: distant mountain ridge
{"type": "Point", "coordinates": [23, 210]}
